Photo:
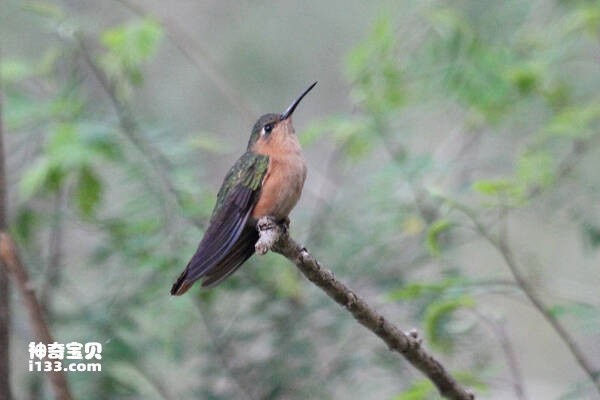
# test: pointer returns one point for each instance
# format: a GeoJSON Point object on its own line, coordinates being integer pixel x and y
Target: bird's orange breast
{"type": "Point", "coordinates": [281, 188]}
{"type": "Point", "coordinates": [283, 182]}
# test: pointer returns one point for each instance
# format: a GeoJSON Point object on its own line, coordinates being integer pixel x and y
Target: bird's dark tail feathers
{"type": "Point", "coordinates": [239, 252]}
{"type": "Point", "coordinates": [181, 285]}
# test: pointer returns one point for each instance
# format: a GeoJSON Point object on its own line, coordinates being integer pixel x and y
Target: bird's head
{"type": "Point", "coordinates": [271, 126]}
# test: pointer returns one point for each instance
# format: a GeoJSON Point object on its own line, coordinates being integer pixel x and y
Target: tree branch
{"type": "Point", "coordinates": [5, 391]}
{"type": "Point", "coordinates": [276, 238]}
{"type": "Point", "coordinates": [10, 257]}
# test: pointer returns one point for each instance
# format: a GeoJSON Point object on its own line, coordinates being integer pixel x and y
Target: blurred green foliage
{"type": "Point", "coordinates": [128, 47]}
{"type": "Point", "coordinates": [476, 110]}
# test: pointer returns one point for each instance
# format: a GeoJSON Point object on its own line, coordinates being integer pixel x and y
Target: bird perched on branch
{"type": "Point", "coordinates": [266, 180]}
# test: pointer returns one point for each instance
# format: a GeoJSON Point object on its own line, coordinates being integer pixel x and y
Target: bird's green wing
{"type": "Point", "coordinates": [221, 250]}
{"type": "Point", "coordinates": [246, 174]}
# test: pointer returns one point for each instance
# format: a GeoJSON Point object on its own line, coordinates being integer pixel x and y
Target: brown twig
{"type": "Point", "coordinates": [5, 390]}
{"type": "Point", "coordinates": [10, 257]}
{"type": "Point", "coordinates": [509, 353]}
{"type": "Point", "coordinates": [51, 279]}
{"type": "Point", "coordinates": [408, 345]}
{"type": "Point", "coordinates": [501, 245]}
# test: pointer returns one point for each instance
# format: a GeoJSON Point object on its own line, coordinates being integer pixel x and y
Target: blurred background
{"type": "Point", "coordinates": [452, 153]}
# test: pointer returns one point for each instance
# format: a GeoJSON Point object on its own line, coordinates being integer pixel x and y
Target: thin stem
{"type": "Point", "coordinates": [503, 248]}
{"type": "Point", "coordinates": [129, 128]}
{"type": "Point", "coordinates": [5, 389]}
{"type": "Point", "coordinates": [537, 302]}
{"type": "Point", "coordinates": [198, 56]}
{"type": "Point", "coordinates": [509, 353]}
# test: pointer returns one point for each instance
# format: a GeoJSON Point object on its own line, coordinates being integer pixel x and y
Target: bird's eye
{"type": "Point", "coordinates": [268, 128]}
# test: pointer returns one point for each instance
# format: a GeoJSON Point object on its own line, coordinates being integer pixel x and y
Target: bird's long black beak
{"type": "Point", "coordinates": [290, 110]}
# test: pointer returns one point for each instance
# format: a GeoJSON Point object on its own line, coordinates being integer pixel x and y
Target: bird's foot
{"type": "Point", "coordinates": [269, 230]}
{"type": "Point", "coordinates": [284, 224]}
{"type": "Point", "coordinates": [267, 223]}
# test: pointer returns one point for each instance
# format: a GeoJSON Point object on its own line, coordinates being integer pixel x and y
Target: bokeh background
{"type": "Point", "coordinates": [453, 182]}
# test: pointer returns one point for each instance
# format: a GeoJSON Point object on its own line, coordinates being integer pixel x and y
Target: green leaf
{"type": "Point", "coordinates": [34, 178]}
{"type": "Point", "coordinates": [88, 191]}
{"type": "Point", "coordinates": [65, 146]}
{"type": "Point", "coordinates": [75, 145]}
{"type": "Point", "coordinates": [536, 168]}
{"type": "Point", "coordinates": [591, 234]}
{"type": "Point", "coordinates": [372, 67]}
{"type": "Point", "coordinates": [433, 235]}
{"type": "Point", "coordinates": [474, 70]}
{"type": "Point", "coordinates": [585, 18]}
{"type": "Point", "coordinates": [417, 290]}
{"type": "Point", "coordinates": [576, 121]}
{"type": "Point", "coordinates": [100, 141]}
{"type": "Point", "coordinates": [25, 222]}
{"type": "Point", "coordinates": [526, 78]}
{"type": "Point", "coordinates": [24, 109]}
{"type": "Point", "coordinates": [15, 70]}
{"type": "Point", "coordinates": [437, 315]}
{"type": "Point", "coordinates": [129, 46]}
{"type": "Point", "coordinates": [505, 188]}
{"type": "Point", "coordinates": [136, 40]}
{"type": "Point", "coordinates": [44, 9]}
{"type": "Point", "coordinates": [43, 175]}
{"type": "Point", "coordinates": [420, 390]}
{"type": "Point", "coordinates": [412, 291]}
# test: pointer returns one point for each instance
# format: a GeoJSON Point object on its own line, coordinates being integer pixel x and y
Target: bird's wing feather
{"type": "Point", "coordinates": [237, 255]}
{"type": "Point", "coordinates": [218, 251]}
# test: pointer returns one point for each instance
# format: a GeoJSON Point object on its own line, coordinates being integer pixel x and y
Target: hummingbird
{"type": "Point", "coordinates": [266, 180]}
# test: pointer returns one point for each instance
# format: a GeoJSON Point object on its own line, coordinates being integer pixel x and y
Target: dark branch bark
{"type": "Point", "coordinates": [10, 257]}
{"type": "Point", "coordinates": [5, 391]}
{"type": "Point", "coordinates": [276, 238]}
